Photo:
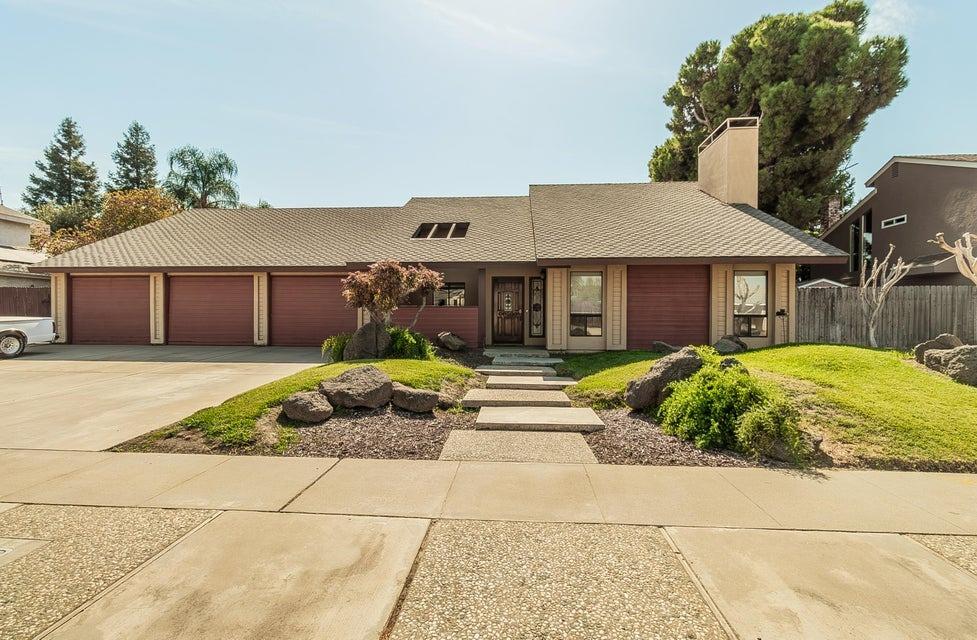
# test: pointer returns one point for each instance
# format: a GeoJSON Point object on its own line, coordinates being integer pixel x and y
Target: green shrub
{"type": "Point", "coordinates": [705, 407]}
{"type": "Point", "coordinates": [409, 344]}
{"type": "Point", "coordinates": [769, 425]}
{"type": "Point", "coordinates": [333, 346]}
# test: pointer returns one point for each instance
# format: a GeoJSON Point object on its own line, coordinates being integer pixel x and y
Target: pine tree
{"type": "Point", "coordinates": [135, 161]}
{"type": "Point", "coordinates": [63, 176]}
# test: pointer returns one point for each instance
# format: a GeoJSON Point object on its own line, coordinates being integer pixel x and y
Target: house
{"type": "Point", "coordinates": [15, 255]}
{"type": "Point", "coordinates": [820, 283]}
{"type": "Point", "coordinates": [912, 199]}
{"type": "Point", "coordinates": [568, 267]}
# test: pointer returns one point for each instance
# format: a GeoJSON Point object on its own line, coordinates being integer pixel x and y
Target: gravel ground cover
{"type": "Point", "coordinates": [519, 580]}
{"type": "Point", "coordinates": [960, 550]}
{"type": "Point", "coordinates": [88, 549]}
{"type": "Point", "coordinates": [634, 438]}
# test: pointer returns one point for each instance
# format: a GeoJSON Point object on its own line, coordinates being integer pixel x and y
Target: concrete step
{"type": "Point", "coordinates": [514, 398]}
{"type": "Point", "coordinates": [540, 383]}
{"type": "Point", "coordinates": [517, 446]}
{"type": "Point", "coordinates": [520, 361]}
{"type": "Point", "coordinates": [521, 352]}
{"type": "Point", "coordinates": [505, 370]}
{"type": "Point", "coordinates": [538, 419]}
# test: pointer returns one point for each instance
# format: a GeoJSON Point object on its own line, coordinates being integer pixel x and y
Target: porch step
{"type": "Point", "coordinates": [514, 398]}
{"type": "Point", "coordinates": [516, 351]}
{"type": "Point", "coordinates": [505, 370]}
{"type": "Point", "coordinates": [541, 383]}
{"type": "Point", "coordinates": [521, 361]}
{"type": "Point", "coordinates": [538, 419]}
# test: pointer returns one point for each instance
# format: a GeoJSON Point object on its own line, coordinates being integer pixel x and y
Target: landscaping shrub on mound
{"type": "Point", "coordinates": [404, 343]}
{"type": "Point", "coordinates": [720, 408]}
{"type": "Point", "coordinates": [333, 346]}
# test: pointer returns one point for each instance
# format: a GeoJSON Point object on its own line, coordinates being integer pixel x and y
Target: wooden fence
{"type": "Point", "coordinates": [25, 301]}
{"type": "Point", "coordinates": [911, 315]}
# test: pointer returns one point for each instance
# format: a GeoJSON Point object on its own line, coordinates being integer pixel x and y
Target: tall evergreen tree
{"type": "Point", "coordinates": [135, 161]}
{"type": "Point", "coordinates": [812, 77]}
{"type": "Point", "coordinates": [63, 177]}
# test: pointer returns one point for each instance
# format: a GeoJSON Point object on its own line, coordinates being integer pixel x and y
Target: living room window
{"type": "Point", "coordinates": [586, 304]}
{"type": "Point", "coordinates": [750, 304]}
{"type": "Point", "coordinates": [452, 294]}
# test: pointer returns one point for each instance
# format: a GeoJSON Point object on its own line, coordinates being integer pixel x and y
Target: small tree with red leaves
{"type": "Point", "coordinates": [386, 284]}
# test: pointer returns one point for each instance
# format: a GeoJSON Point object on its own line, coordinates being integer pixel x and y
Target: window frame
{"type": "Point", "coordinates": [894, 221]}
{"type": "Point", "coordinates": [764, 318]}
{"type": "Point", "coordinates": [449, 287]}
{"type": "Point", "coordinates": [599, 315]}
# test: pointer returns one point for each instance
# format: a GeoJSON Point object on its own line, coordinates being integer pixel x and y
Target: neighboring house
{"type": "Point", "coordinates": [820, 283]}
{"type": "Point", "coordinates": [568, 267]}
{"type": "Point", "coordinates": [15, 254]}
{"type": "Point", "coordinates": [912, 199]}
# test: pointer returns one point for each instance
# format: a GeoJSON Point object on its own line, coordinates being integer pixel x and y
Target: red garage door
{"type": "Point", "coordinates": [109, 310]}
{"type": "Point", "coordinates": [210, 310]}
{"type": "Point", "coordinates": [668, 303]}
{"type": "Point", "coordinates": [305, 310]}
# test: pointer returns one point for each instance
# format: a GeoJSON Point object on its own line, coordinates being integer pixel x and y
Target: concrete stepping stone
{"type": "Point", "coordinates": [539, 419]}
{"type": "Point", "coordinates": [507, 370]}
{"type": "Point", "coordinates": [522, 361]}
{"type": "Point", "coordinates": [517, 352]}
{"type": "Point", "coordinates": [517, 446]}
{"type": "Point", "coordinates": [514, 398]}
{"type": "Point", "coordinates": [541, 383]}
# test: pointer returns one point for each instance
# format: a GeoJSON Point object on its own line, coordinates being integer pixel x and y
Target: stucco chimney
{"type": "Point", "coordinates": [729, 161]}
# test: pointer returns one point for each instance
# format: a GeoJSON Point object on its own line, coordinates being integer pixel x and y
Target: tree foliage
{"type": "Point", "coordinates": [135, 161]}
{"type": "Point", "coordinates": [202, 180]}
{"type": "Point", "coordinates": [387, 284]}
{"type": "Point", "coordinates": [64, 216]}
{"type": "Point", "coordinates": [812, 77]}
{"type": "Point", "coordinates": [63, 177]}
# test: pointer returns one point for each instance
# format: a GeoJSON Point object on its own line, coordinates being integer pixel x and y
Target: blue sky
{"type": "Point", "coordinates": [370, 102]}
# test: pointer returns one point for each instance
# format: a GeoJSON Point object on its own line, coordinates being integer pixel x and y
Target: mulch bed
{"type": "Point", "coordinates": [634, 438]}
{"type": "Point", "coordinates": [380, 433]}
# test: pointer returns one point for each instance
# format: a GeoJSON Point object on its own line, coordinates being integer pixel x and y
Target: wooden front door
{"type": "Point", "coordinates": [507, 310]}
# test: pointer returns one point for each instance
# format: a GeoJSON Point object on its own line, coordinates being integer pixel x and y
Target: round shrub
{"type": "Point", "coordinates": [409, 344]}
{"type": "Point", "coordinates": [770, 429]}
{"type": "Point", "coordinates": [333, 346]}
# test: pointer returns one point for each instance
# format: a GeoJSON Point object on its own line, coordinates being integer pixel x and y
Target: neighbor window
{"type": "Point", "coordinates": [750, 304]}
{"type": "Point", "coordinates": [452, 294]}
{"type": "Point", "coordinates": [586, 304]}
{"type": "Point", "coordinates": [436, 230]}
{"type": "Point", "coordinates": [894, 222]}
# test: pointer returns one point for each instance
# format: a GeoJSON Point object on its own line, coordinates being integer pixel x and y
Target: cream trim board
{"type": "Point", "coordinates": [617, 307]}
{"type": "Point", "coordinates": [557, 309]}
{"type": "Point", "coordinates": [589, 343]}
{"type": "Point", "coordinates": [59, 306]}
{"type": "Point", "coordinates": [157, 308]}
{"type": "Point", "coordinates": [260, 309]}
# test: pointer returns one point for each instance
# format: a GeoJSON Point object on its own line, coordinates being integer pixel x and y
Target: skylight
{"type": "Point", "coordinates": [436, 230]}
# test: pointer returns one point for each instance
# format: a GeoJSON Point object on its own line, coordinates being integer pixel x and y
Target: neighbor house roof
{"type": "Point", "coordinates": [648, 221]}
{"type": "Point", "coordinates": [966, 160]}
{"type": "Point", "coordinates": [6, 213]}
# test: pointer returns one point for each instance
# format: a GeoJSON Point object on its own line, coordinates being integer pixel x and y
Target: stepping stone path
{"type": "Point", "coordinates": [523, 396]}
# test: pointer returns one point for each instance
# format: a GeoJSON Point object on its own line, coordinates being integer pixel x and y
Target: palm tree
{"type": "Point", "coordinates": [202, 180]}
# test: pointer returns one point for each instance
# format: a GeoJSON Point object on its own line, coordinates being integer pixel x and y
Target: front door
{"type": "Point", "coordinates": [507, 310]}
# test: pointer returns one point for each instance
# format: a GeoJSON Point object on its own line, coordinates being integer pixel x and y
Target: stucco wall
{"type": "Point", "coordinates": [14, 234]}
{"type": "Point", "coordinates": [728, 167]}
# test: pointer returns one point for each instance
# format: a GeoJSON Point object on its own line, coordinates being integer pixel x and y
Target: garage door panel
{"type": "Point", "coordinates": [668, 303]}
{"type": "Point", "coordinates": [109, 310]}
{"type": "Point", "coordinates": [211, 310]}
{"type": "Point", "coordinates": [305, 310]}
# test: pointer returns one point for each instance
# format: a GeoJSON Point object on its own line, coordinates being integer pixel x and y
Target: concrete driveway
{"type": "Point", "coordinates": [91, 398]}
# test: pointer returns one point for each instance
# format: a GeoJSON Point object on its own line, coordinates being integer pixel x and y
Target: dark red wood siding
{"type": "Point", "coordinates": [461, 321]}
{"type": "Point", "coordinates": [668, 303]}
{"type": "Point", "coordinates": [216, 310]}
{"type": "Point", "coordinates": [305, 310]}
{"type": "Point", "coordinates": [109, 310]}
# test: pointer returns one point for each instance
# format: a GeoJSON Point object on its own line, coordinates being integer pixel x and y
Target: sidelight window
{"type": "Point", "coordinates": [750, 304]}
{"type": "Point", "coordinates": [587, 304]}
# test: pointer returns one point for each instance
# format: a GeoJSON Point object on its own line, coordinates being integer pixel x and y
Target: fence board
{"type": "Point", "coordinates": [911, 315]}
{"type": "Point", "coordinates": [25, 301]}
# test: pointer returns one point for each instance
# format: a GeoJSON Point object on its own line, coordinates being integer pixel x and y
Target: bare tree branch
{"type": "Point", "coordinates": [874, 288]}
{"type": "Point", "coordinates": [963, 253]}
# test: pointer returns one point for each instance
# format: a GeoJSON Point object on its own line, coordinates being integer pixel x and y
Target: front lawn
{"type": "Point", "coordinates": [602, 377]}
{"type": "Point", "coordinates": [232, 423]}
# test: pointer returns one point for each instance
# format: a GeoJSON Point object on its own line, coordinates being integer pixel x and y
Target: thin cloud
{"type": "Point", "coordinates": [890, 17]}
{"type": "Point", "coordinates": [307, 122]}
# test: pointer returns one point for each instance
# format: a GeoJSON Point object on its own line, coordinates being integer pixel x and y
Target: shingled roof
{"type": "Point", "coordinates": [653, 221]}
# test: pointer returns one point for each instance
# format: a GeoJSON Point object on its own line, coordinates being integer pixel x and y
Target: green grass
{"type": "Point", "coordinates": [877, 402]}
{"type": "Point", "coordinates": [604, 376]}
{"type": "Point", "coordinates": [232, 422]}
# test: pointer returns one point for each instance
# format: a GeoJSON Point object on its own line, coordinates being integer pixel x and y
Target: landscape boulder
{"type": "Point", "coordinates": [651, 389]}
{"type": "Point", "coordinates": [369, 341]}
{"type": "Point", "coordinates": [364, 386]}
{"type": "Point", "coordinates": [663, 347]}
{"type": "Point", "coordinates": [415, 400]}
{"type": "Point", "coordinates": [451, 342]}
{"type": "Point", "coordinates": [447, 401]}
{"type": "Point", "coordinates": [729, 344]}
{"type": "Point", "coordinates": [942, 341]}
{"type": "Point", "coordinates": [961, 365]}
{"type": "Point", "coordinates": [937, 359]}
{"type": "Point", "coordinates": [307, 406]}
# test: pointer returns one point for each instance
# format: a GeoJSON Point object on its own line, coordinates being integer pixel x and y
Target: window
{"type": "Point", "coordinates": [854, 245]}
{"type": "Point", "coordinates": [750, 304]}
{"type": "Point", "coordinates": [452, 294]}
{"type": "Point", "coordinates": [894, 222]}
{"type": "Point", "coordinates": [438, 230]}
{"type": "Point", "coordinates": [586, 304]}
{"type": "Point", "coordinates": [867, 238]}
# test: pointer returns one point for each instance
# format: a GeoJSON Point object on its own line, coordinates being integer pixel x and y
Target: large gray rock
{"type": "Point", "coordinates": [728, 345]}
{"type": "Point", "coordinates": [780, 451]}
{"type": "Point", "coordinates": [307, 406]}
{"type": "Point", "coordinates": [415, 400]}
{"type": "Point", "coordinates": [961, 365]}
{"type": "Point", "coordinates": [364, 386]}
{"type": "Point", "coordinates": [651, 389]}
{"type": "Point", "coordinates": [663, 347]}
{"type": "Point", "coordinates": [937, 359]}
{"type": "Point", "coordinates": [942, 341]}
{"type": "Point", "coordinates": [368, 342]}
{"type": "Point", "coordinates": [451, 342]}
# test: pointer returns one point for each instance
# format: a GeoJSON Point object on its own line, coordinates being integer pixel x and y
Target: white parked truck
{"type": "Point", "coordinates": [18, 332]}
